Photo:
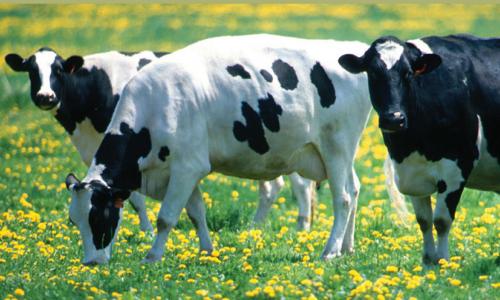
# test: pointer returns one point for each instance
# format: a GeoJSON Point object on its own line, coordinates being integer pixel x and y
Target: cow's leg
{"type": "Point", "coordinates": [137, 202]}
{"type": "Point", "coordinates": [353, 188]}
{"type": "Point", "coordinates": [444, 214]}
{"type": "Point", "coordinates": [181, 186]}
{"type": "Point", "coordinates": [338, 157]}
{"type": "Point", "coordinates": [423, 212]}
{"type": "Point", "coordinates": [196, 211]}
{"type": "Point", "coordinates": [268, 191]}
{"type": "Point", "coordinates": [303, 189]}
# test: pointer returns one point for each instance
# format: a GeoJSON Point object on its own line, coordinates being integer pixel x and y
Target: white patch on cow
{"type": "Point", "coordinates": [422, 46]}
{"type": "Point", "coordinates": [44, 61]}
{"type": "Point", "coordinates": [465, 81]}
{"type": "Point", "coordinates": [486, 172]}
{"type": "Point", "coordinates": [95, 173]}
{"type": "Point", "coordinates": [86, 140]}
{"type": "Point", "coordinates": [416, 176]}
{"type": "Point", "coordinates": [390, 52]}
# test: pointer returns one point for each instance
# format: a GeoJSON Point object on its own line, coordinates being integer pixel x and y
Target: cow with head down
{"type": "Point", "coordinates": [438, 99]}
{"type": "Point", "coordinates": [256, 106]}
{"type": "Point", "coordinates": [82, 93]}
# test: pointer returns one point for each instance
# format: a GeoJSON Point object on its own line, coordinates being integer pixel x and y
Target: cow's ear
{"type": "Point", "coordinates": [73, 64]}
{"type": "Point", "coordinates": [16, 62]}
{"type": "Point", "coordinates": [352, 63]}
{"type": "Point", "coordinates": [72, 182]}
{"type": "Point", "coordinates": [426, 63]}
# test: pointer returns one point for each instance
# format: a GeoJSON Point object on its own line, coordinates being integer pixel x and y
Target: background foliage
{"type": "Point", "coordinates": [40, 252]}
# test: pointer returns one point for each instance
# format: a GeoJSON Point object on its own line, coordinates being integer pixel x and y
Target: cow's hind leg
{"type": "Point", "coordinates": [196, 211]}
{"type": "Point", "coordinates": [181, 188]}
{"type": "Point", "coordinates": [353, 187]}
{"type": "Point", "coordinates": [303, 189]}
{"type": "Point", "coordinates": [423, 212]}
{"type": "Point", "coordinates": [138, 204]}
{"type": "Point", "coordinates": [444, 214]}
{"type": "Point", "coordinates": [268, 192]}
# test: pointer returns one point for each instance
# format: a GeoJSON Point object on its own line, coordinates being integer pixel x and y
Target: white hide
{"type": "Point", "coordinates": [390, 52]}
{"type": "Point", "coordinates": [44, 60]}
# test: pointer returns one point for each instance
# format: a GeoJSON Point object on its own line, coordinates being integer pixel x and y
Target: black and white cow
{"type": "Point", "coordinates": [82, 93]}
{"type": "Point", "coordinates": [438, 99]}
{"type": "Point", "coordinates": [255, 106]}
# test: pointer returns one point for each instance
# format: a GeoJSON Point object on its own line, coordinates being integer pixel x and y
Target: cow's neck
{"type": "Point", "coordinates": [87, 94]}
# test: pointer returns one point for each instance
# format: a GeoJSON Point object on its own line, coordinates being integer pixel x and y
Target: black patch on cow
{"type": "Point", "coordinates": [253, 131]}
{"type": "Point", "coordinates": [267, 76]}
{"type": "Point", "coordinates": [160, 54]}
{"type": "Point", "coordinates": [85, 94]}
{"type": "Point", "coordinates": [163, 153]}
{"type": "Point", "coordinates": [238, 70]}
{"type": "Point", "coordinates": [323, 84]}
{"type": "Point", "coordinates": [452, 200]}
{"type": "Point", "coordinates": [120, 154]}
{"type": "Point", "coordinates": [143, 62]}
{"type": "Point", "coordinates": [103, 216]}
{"type": "Point", "coordinates": [286, 74]}
{"type": "Point", "coordinates": [269, 112]}
{"type": "Point", "coordinates": [441, 186]}
{"type": "Point", "coordinates": [128, 53]}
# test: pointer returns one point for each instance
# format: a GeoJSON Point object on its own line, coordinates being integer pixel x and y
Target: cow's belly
{"type": "Point", "coordinates": [304, 160]}
{"type": "Point", "coordinates": [417, 176]}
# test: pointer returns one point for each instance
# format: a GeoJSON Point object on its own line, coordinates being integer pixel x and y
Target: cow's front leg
{"type": "Point", "coordinates": [304, 191]}
{"type": "Point", "coordinates": [196, 211]}
{"type": "Point", "coordinates": [180, 188]}
{"type": "Point", "coordinates": [338, 162]}
{"type": "Point", "coordinates": [444, 214]}
{"type": "Point", "coordinates": [138, 204]}
{"type": "Point", "coordinates": [268, 192]}
{"type": "Point", "coordinates": [353, 188]}
{"type": "Point", "coordinates": [423, 212]}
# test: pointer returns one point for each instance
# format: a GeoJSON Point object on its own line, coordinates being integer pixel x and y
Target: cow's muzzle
{"type": "Point", "coordinates": [393, 122]}
{"type": "Point", "coordinates": [46, 101]}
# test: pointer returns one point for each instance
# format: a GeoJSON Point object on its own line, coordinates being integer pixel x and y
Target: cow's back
{"type": "Point", "coordinates": [250, 101]}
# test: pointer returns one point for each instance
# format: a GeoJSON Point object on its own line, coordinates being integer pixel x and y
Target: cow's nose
{"type": "Point", "coordinates": [46, 100]}
{"type": "Point", "coordinates": [393, 121]}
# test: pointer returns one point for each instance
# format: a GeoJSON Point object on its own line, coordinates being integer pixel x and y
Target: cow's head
{"type": "Point", "coordinates": [96, 210]}
{"type": "Point", "coordinates": [46, 70]}
{"type": "Point", "coordinates": [391, 66]}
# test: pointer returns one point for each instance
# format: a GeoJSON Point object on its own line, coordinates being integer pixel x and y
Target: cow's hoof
{"type": "Point", "coordinates": [148, 228]}
{"type": "Point", "coordinates": [303, 224]}
{"type": "Point", "coordinates": [348, 250]}
{"type": "Point", "coordinates": [330, 255]}
{"type": "Point", "coordinates": [429, 261]}
{"type": "Point", "coordinates": [151, 258]}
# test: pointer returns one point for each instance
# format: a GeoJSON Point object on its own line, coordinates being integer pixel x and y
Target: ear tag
{"type": "Point", "coordinates": [119, 203]}
{"type": "Point", "coordinates": [421, 70]}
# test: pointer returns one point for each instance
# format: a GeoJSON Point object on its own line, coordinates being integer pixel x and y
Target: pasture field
{"type": "Point", "coordinates": [40, 251]}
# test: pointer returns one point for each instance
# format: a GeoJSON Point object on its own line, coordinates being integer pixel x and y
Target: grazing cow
{"type": "Point", "coordinates": [438, 99]}
{"type": "Point", "coordinates": [82, 93]}
{"type": "Point", "coordinates": [255, 106]}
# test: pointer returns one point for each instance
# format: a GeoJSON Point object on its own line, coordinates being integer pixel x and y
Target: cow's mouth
{"type": "Point", "coordinates": [392, 126]}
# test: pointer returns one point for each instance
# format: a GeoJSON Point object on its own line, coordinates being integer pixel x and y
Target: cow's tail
{"type": "Point", "coordinates": [314, 201]}
{"type": "Point", "coordinates": [397, 199]}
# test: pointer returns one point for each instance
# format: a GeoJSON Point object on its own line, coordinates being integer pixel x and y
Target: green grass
{"type": "Point", "coordinates": [40, 252]}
